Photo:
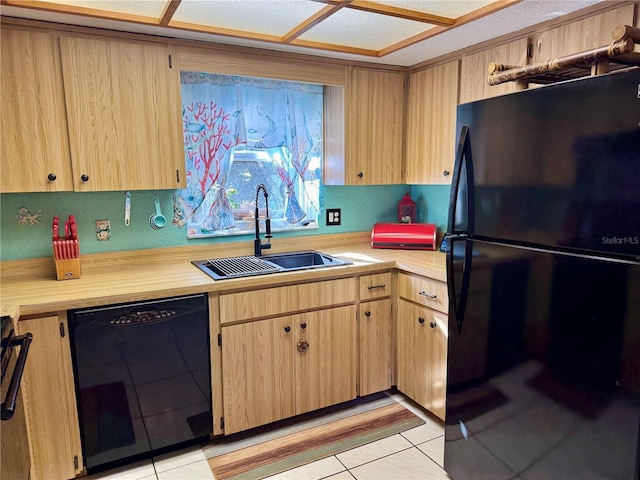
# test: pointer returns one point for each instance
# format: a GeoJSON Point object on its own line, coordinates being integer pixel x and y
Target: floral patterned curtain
{"type": "Point", "coordinates": [220, 112]}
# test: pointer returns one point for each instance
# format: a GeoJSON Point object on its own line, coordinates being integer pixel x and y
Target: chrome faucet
{"type": "Point", "coordinates": [258, 245]}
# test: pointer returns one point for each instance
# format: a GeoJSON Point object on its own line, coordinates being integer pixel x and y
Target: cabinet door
{"type": "Point", "coordinates": [50, 400]}
{"type": "Point", "coordinates": [257, 372]}
{"type": "Point", "coordinates": [375, 359]}
{"type": "Point", "coordinates": [473, 70]}
{"type": "Point", "coordinates": [123, 106]}
{"type": "Point", "coordinates": [325, 372]}
{"type": "Point", "coordinates": [591, 32]}
{"type": "Point", "coordinates": [431, 124]}
{"type": "Point", "coordinates": [422, 356]}
{"type": "Point", "coordinates": [35, 140]}
{"type": "Point", "coordinates": [374, 106]}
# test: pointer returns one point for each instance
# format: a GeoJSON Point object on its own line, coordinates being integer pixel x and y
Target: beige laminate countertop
{"type": "Point", "coordinates": [29, 286]}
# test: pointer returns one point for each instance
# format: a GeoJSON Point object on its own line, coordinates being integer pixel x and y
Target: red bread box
{"type": "Point", "coordinates": [408, 236]}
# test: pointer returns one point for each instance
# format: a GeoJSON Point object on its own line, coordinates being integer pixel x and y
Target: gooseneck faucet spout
{"type": "Point", "coordinates": [258, 245]}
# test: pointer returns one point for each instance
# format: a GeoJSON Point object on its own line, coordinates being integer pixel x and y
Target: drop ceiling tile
{"type": "Point", "coordinates": [444, 8]}
{"type": "Point", "coordinates": [270, 17]}
{"type": "Point", "coordinates": [146, 8]}
{"type": "Point", "coordinates": [359, 29]}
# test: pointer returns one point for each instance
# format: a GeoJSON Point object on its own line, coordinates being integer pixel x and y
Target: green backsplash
{"type": "Point", "coordinates": [361, 208]}
{"type": "Point", "coordinates": [432, 202]}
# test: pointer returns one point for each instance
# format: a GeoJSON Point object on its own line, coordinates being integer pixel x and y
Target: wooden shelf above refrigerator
{"type": "Point", "coordinates": [623, 52]}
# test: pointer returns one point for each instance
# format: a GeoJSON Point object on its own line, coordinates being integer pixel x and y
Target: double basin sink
{"type": "Point", "coordinates": [249, 266]}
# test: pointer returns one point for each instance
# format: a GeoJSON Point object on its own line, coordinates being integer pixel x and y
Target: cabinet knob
{"type": "Point", "coordinates": [84, 177]}
{"type": "Point", "coordinates": [303, 345]}
{"type": "Point", "coordinates": [303, 326]}
{"type": "Point", "coordinates": [446, 173]}
{"type": "Point", "coordinates": [420, 319]}
{"type": "Point", "coordinates": [367, 313]}
{"type": "Point", "coordinates": [52, 177]}
{"type": "Point", "coordinates": [360, 174]}
{"type": "Point", "coordinates": [433, 324]}
{"type": "Point", "coordinates": [287, 329]}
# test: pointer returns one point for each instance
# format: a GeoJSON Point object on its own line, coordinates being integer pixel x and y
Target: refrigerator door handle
{"type": "Point", "coordinates": [458, 302]}
{"type": "Point", "coordinates": [462, 170]}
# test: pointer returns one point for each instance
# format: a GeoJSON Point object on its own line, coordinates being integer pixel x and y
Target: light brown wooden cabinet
{"type": "Point", "coordinates": [431, 124]}
{"type": "Point", "coordinates": [285, 366]}
{"type": "Point", "coordinates": [124, 114]}
{"type": "Point", "coordinates": [50, 400]}
{"type": "Point", "coordinates": [35, 139]}
{"type": "Point", "coordinates": [473, 70]}
{"type": "Point", "coordinates": [375, 334]}
{"type": "Point", "coordinates": [421, 341]}
{"type": "Point", "coordinates": [585, 34]}
{"type": "Point", "coordinates": [369, 152]}
{"type": "Point", "coordinates": [422, 355]}
{"type": "Point", "coordinates": [375, 357]}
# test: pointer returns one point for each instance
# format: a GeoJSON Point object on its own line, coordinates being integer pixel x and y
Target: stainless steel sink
{"type": "Point", "coordinates": [249, 266]}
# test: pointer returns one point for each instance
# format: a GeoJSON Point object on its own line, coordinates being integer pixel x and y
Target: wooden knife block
{"type": "Point", "coordinates": [68, 269]}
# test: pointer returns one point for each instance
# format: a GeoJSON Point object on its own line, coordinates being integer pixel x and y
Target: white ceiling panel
{"type": "Point", "coordinates": [146, 8]}
{"type": "Point", "coordinates": [364, 30]}
{"type": "Point", "coordinates": [273, 17]}
{"type": "Point", "coordinates": [444, 8]}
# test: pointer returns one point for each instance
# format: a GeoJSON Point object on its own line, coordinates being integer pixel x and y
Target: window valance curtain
{"type": "Point", "coordinates": [220, 112]}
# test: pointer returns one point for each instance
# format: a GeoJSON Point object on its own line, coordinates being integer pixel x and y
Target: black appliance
{"type": "Point", "coordinates": [14, 445]}
{"type": "Point", "coordinates": [543, 264]}
{"type": "Point", "coordinates": [143, 377]}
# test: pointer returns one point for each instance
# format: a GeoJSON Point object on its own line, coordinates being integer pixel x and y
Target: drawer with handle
{"type": "Point", "coordinates": [377, 285]}
{"type": "Point", "coordinates": [425, 291]}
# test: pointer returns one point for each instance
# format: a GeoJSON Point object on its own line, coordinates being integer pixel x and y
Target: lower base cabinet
{"type": "Point", "coordinates": [422, 355]}
{"type": "Point", "coordinates": [281, 367]}
{"type": "Point", "coordinates": [375, 352]}
{"type": "Point", "coordinates": [50, 400]}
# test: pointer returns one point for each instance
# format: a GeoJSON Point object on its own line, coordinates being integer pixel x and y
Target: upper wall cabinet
{"type": "Point", "coordinates": [368, 150]}
{"type": "Point", "coordinates": [124, 114]}
{"type": "Point", "coordinates": [431, 124]}
{"type": "Point", "coordinates": [35, 141]}
{"type": "Point", "coordinates": [585, 34]}
{"type": "Point", "coordinates": [473, 75]}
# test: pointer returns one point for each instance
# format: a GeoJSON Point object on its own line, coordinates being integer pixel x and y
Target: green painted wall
{"type": "Point", "coordinates": [361, 208]}
{"type": "Point", "coordinates": [432, 203]}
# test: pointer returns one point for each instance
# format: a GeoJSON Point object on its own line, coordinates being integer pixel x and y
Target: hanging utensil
{"type": "Point", "coordinates": [157, 220]}
{"type": "Point", "coordinates": [127, 209]}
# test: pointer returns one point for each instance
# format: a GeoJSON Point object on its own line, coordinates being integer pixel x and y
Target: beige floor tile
{"type": "Point", "coordinates": [434, 449]}
{"type": "Point", "coordinates": [193, 471]}
{"type": "Point", "coordinates": [409, 464]}
{"type": "Point", "coordinates": [424, 433]}
{"type": "Point", "coordinates": [341, 476]}
{"type": "Point", "coordinates": [312, 471]}
{"type": "Point", "coordinates": [373, 451]}
{"type": "Point", "coordinates": [177, 459]}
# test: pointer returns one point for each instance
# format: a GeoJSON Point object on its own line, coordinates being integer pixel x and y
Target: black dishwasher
{"type": "Point", "coordinates": [143, 377]}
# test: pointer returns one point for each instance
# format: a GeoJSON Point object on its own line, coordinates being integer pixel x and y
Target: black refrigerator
{"type": "Point", "coordinates": [543, 264]}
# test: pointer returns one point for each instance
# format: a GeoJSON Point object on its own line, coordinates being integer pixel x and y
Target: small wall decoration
{"type": "Point", "coordinates": [27, 218]}
{"type": "Point", "coordinates": [103, 230]}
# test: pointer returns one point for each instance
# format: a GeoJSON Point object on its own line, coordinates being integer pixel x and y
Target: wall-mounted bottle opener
{"type": "Point", "coordinates": [127, 208]}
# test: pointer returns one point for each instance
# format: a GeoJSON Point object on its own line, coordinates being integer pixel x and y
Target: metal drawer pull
{"type": "Point", "coordinates": [432, 296]}
{"type": "Point", "coordinates": [371, 287]}
{"type": "Point", "coordinates": [9, 403]}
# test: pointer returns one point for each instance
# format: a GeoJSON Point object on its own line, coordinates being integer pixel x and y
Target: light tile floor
{"type": "Point", "coordinates": [415, 454]}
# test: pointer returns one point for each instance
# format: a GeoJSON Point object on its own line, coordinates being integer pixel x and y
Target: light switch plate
{"type": "Point", "coordinates": [334, 216]}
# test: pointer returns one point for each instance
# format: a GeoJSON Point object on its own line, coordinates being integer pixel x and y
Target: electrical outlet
{"type": "Point", "coordinates": [333, 216]}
